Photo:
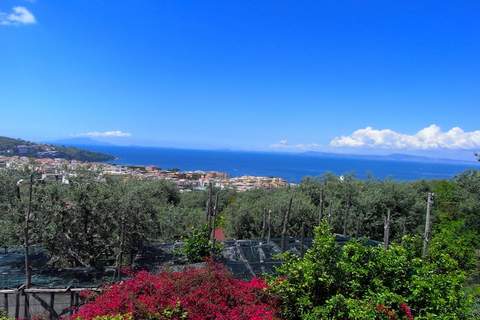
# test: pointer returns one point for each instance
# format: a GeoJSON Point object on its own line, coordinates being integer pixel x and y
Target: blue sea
{"type": "Point", "coordinates": [292, 167]}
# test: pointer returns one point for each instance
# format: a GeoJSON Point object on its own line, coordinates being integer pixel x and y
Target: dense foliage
{"type": "Point", "coordinates": [194, 294]}
{"type": "Point", "coordinates": [92, 222]}
{"type": "Point", "coordinates": [95, 219]}
{"type": "Point", "coordinates": [369, 282]}
{"type": "Point", "coordinates": [357, 207]}
{"type": "Point", "coordinates": [244, 216]}
{"type": "Point", "coordinates": [198, 246]}
{"type": "Point", "coordinates": [356, 281]}
{"type": "Point", "coordinates": [74, 153]}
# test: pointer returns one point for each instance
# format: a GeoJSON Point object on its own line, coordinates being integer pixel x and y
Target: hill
{"type": "Point", "coordinates": [391, 157]}
{"type": "Point", "coordinates": [79, 142]}
{"type": "Point", "coordinates": [19, 147]}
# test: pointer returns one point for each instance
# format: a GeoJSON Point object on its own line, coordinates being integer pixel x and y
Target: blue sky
{"type": "Point", "coordinates": [256, 75]}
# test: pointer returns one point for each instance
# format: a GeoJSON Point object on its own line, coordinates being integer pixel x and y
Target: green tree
{"type": "Point", "coordinates": [197, 246]}
{"type": "Point", "coordinates": [244, 216]}
{"type": "Point", "coordinates": [366, 282]}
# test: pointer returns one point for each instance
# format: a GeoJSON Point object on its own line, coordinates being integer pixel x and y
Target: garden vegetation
{"type": "Point", "coordinates": [98, 223]}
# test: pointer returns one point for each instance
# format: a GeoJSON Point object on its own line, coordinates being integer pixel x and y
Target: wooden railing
{"type": "Point", "coordinates": [22, 303]}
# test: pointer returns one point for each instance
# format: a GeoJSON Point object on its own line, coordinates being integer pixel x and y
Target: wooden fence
{"type": "Point", "coordinates": [22, 303]}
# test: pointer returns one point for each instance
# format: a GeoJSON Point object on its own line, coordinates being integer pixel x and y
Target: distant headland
{"type": "Point", "coordinates": [18, 147]}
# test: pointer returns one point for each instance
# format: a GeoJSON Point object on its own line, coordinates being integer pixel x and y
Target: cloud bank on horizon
{"type": "Point", "coordinates": [105, 134]}
{"type": "Point", "coordinates": [429, 138]}
{"type": "Point", "coordinates": [17, 16]}
{"type": "Point", "coordinates": [285, 145]}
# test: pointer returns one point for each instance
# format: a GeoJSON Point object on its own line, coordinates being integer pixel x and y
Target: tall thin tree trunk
{"type": "Point", "coordinates": [426, 235]}
{"type": "Point", "coordinates": [209, 203]}
{"type": "Point", "coordinates": [302, 239]}
{"type": "Point", "coordinates": [320, 205]}
{"type": "Point", "coordinates": [357, 225]}
{"type": "Point", "coordinates": [330, 208]}
{"type": "Point", "coordinates": [214, 217]}
{"type": "Point", "coordinates": [28, 270]}
{"type": "Point", "coordinates": [121, 248]}
{"type": "Point", "coordinates": [285, 224]}
{"type": "Point", "coordinates": [269, 225]}
{"type": "Point", "coordinates": [347, 215]}
{"type": "Point", "coordinates": [386, 229]}
{"type": "Point", "coordinates": [264, 224]}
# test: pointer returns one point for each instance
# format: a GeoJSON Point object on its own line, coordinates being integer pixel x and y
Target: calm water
{"type": "Point", "coordinates": [289, 166]}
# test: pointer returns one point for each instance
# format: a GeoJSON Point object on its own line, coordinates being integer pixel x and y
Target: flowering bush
{"type": "Point", "coordinates": [116, 317]}
{"type": "Point", "coordinates": [406, 309]}
{"type": "Point", "coordinates": [194, 294]}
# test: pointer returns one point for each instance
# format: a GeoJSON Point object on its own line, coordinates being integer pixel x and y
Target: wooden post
{"type": "Point", "coordinates": [264, 224]}
{"type": "Point", "coordinates": [131, 257]}
{"type": "Point", "coordinates": [119, 261]}
{"type": "Point", "coordinates": [386, 229]}
{"type": "Point", "coordinates": [72, 303]}
{"type": "Point", "coordinates": [214, 217]}
{"type": "Point", "coordinates": [285, 225]}
{"type": "Point", "coordinates": [426, 234]}
{"type": "Point", "coordinates": [269, 225]}
{"type": "Point", "coordinates": [26, 312]}
{"type": "Point", "coordinates": [52, 305]}
{"type": "Point", "coordinates": [17, 304]}
{"type": "Point", "coordinates": [302, 239]}
{"type": "Point", "coordinates": [28, 271]}
{"type": "Point", "coordinates": [320, 205]}
{"type": "Point", "coordinates": [330, 206]}
{"type": "Point", "coordinates": [209, 206]}
{"type": "Point", "coordinates": [209, 200]}
{"type": "Point", "coordinates": [5, 302]}
{"type": "Point", "coordinates": [347, 214]}
{"type": "Point", "coordinates": [357, 225]}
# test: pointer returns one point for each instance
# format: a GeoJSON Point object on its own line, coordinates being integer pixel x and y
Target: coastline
{"type": "Point", "coordinates": [289, 166]}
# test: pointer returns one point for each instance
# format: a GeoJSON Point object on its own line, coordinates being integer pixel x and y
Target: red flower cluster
{"type": "Point", "coordinates": [392, 315]}
{"type": "Point", "coordinates": [387, 311]}
{"type": "Point", "coordinates": [209, 293]}
{"type": "Point", "coordinates": [406, 309]}
{"type": "Point", "coordinates": [87, 295]}
{"type": "Point", "coordinates": [127, 271]}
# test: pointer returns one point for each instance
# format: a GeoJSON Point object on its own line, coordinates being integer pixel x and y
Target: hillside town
{"type": "Point", "coordinates": [57, 169]}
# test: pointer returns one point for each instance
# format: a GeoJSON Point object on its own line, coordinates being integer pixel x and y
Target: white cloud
{"type": "Point", "coordinates": [429, 138]}
{"type": "Point", "coordinates": [18, 16]}
{"type": "Point", "coordinates": [284, 145]}
{"type": "Point", "coordinates": [106, 134]}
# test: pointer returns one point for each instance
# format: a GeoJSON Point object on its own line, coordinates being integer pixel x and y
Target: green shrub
{"type": "Point", "coordinates": [4, 315]}
{"type": "Point", "coordinates": [365, 282]}
{"type": "Point", "coordinates": [198, 246]}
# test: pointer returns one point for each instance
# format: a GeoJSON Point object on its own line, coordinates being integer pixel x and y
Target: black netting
{"type": "Point", "coordinates": [244, 258]}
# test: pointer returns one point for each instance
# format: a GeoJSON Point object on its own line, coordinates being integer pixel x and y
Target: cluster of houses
{"type": "Point", "coordinates": [37, 150]}
{"type": "Point", "coordinates": [56, 169]}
